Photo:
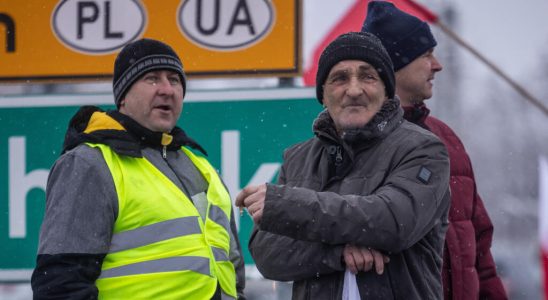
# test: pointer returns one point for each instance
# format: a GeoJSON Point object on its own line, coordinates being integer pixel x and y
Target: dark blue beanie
{"type": "Point", "coordinates": [140, 57]}
{"type": "Point", "coordinates": [404, 36]}
{"type": "Point", "coordinates": [360, 46]}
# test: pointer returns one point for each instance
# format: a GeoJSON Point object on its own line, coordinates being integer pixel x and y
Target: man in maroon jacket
{"type": "Point", "coordinates": [469, 270]}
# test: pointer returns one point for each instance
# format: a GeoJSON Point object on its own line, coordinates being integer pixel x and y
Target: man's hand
{"type": "Point", "coordinates": [359, 258]}
{"type": "Point", "coordinates": [253, 197]}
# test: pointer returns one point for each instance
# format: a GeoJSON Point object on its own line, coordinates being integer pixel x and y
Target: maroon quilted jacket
{"type": "Point", "coordinates": [469, 270]}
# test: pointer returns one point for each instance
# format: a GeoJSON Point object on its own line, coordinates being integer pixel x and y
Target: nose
{"type": "Point", "coordinates": [436, 65]}
{"type": "Point", "coordinates": [164, 86]}
{"type": "Point", "coordinates": [355, 88]}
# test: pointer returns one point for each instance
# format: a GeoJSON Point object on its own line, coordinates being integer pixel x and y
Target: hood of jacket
{"type": "Point", "coordinates": [120, 132]}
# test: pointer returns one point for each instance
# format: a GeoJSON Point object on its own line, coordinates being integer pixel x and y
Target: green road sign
{"type": "Point", "coordinates": [244, 133]}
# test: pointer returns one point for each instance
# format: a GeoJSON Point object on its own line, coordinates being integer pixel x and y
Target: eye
{"type": "Point", "coordinates": [174, 80]}
{"type": "Point", "coordinates": [151, 78]}
{"type": "Point", "coordinates": [367, 77]}
{"type": "Point", "coordinates": [428, 54]}
{"type": "Point", "coordinates": [338, 78]}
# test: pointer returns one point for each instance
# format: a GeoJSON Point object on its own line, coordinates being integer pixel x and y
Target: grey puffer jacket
{"type": "Point", "coordinates": [384, 186]}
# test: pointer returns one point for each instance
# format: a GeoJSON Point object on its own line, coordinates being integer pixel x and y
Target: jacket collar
{"type": "Point", "coordinates": [416, 113]}
{"type": "Point", "coordinates": [382, 123]}
{"type": "Point", "coordinates": [123, 134]}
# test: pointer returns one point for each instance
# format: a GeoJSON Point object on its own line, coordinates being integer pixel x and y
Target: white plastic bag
{"type": "Point", "coordinates": [350, 287]}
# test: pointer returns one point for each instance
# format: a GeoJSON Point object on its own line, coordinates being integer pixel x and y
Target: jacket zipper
{"type": "Point", "coordinates": [166, 140]}
{"type": "Point", "coordinates": [338, 157]}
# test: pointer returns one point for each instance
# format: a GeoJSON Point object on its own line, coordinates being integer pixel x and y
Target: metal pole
{"type": "Point", "coordinates": [493, 67]}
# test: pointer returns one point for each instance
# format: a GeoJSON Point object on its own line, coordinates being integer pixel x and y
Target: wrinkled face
{"type": "Point", "coordinates": [155, 100]}
{"type": "Point", "coordinates": [414, 81]}
{"type": "Point", "coordinates": [353, 94]}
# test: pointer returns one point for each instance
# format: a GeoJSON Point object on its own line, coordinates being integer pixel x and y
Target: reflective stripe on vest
{"type": "Point", "coordinates": [194, 263]}
{"type": "Point", "coordinates": [161, 231]}
{"type": "Point", "coordinates": [161, 245]}
{"type": "Point", "coordinates": [154, 233]}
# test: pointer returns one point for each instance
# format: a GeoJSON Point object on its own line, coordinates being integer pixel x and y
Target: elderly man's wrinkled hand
{"type": "Point", "coordinates": [358, 258]}
{"type": "Point", "coordinates": [252, 197]}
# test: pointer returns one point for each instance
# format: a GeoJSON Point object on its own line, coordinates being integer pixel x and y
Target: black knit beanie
{"type": "Point", "coordinates": [140, 57]}
{"type": "Point", "coordinates": [360, 46]}
{"type": "Point", "coordinates": [404, 36]}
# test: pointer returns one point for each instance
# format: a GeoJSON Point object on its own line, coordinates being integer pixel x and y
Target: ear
{"type": "Point", "coordinates": [122, 106]}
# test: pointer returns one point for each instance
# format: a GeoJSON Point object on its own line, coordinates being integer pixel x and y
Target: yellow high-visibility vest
{"type": "Point", "coordinates": [162, 248]}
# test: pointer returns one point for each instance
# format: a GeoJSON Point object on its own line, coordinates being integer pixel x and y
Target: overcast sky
{"type": "Point", "coordinates": [513, 34]}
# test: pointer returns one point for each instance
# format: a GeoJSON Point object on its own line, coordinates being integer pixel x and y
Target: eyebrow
{"type": "Point", "coordinates": [336, 72]}
{"type": "Point", "coordinates": [361, 68]}
{"type": "Point", "coordinates": [367, 67]}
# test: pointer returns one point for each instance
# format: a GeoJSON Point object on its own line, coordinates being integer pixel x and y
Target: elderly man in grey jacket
{"type": "Point", "coordinates": [368, 193]}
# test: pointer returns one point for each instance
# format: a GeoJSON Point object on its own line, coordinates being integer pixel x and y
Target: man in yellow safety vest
{"type": "Point", "coordinates": [131, 211]}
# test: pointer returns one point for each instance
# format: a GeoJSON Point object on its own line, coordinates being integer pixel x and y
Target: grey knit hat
{"type": "Point", "coordinates": [360, 46]}
{"type": "Point", "coordinates": [140, 57]}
